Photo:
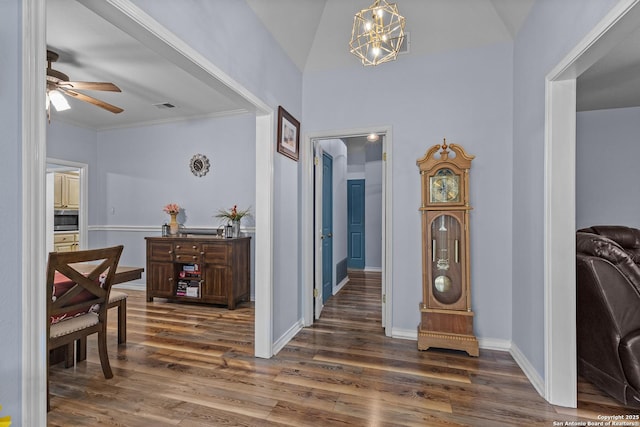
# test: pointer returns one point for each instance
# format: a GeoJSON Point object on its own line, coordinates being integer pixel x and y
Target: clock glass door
{"type": "Point", "coordinates": [446, 251]}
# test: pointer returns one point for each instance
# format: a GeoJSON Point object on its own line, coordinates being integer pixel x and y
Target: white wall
{"type": "Point", "coordinates": [466, 96]}
{"type": "Point", "coordinates": [338, 151]}
{"type": "Point", "coordinates": [11, 193]}
{"type": "Point", "coordinates": [607, 173]}
{"type": "Point", "coordinates": [550, 31]}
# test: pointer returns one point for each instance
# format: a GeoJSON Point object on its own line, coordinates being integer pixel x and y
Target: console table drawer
{"type": "Point", "coordinates": [160, 251]}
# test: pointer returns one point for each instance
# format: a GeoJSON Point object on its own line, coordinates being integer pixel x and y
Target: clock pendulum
{"type": "Point", "coordinates": [446, 315]}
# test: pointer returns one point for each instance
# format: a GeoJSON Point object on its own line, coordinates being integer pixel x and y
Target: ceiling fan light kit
{"type": "Point", "coordinates": [58, 85]}
{"type": "Point", "coordinates": [378, 33]}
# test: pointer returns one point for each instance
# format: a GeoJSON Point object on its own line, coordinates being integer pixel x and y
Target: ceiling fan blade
{"type": "Point", "coordinates": [94, 101]}
{"type": "Point", "coordinates": [90, 86]}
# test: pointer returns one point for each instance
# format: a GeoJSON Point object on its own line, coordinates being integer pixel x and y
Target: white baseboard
{"type": "Point", "coordinates": [341, 285]}
{"type": "Point", "coordinates": [534, 378]}
{"type": "Point", "coordinates": [373, 269]}
{"type": "Point", "coordinates": [494, 344]}
{"type": "Point", "coordinates": [287, 336]}
{"type": "Point", "coordinates": [405, 334]}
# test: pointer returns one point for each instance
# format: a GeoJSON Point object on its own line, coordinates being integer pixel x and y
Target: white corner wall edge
{"type": "Point", "coordinates": [534, 377]}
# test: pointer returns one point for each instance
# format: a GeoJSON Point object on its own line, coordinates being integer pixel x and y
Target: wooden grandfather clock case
{"type": "Point", "coordinates": [445, 311]}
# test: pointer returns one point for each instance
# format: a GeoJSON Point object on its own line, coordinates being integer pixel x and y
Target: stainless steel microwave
{"type": "Point", "coordinates": [65, 220]}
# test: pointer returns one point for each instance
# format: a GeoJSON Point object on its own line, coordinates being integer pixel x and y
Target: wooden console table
{"type": "Point", "coordinates": [205, 269]}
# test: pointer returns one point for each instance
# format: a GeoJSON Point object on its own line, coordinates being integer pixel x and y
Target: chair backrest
{"type": "Point", "coordinates": [627, 237]}
{"type": "Point", "coordinates": [600, 246]}
{"type": "Point", "coordinates": [79, 282]}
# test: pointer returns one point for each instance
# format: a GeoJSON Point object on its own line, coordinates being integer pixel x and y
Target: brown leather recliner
{"type": "Point", "coordinates": [608, 310]}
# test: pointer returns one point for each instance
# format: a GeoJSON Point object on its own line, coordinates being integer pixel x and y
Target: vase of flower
{"type": "Point", "coordinates": [173, 224]}
{"type": "Point", "coordinates": [233, 217]}
{"type": "Point", "coordinates": [173, 210]}
{"type": "Point", "coordinates": [235, 228]}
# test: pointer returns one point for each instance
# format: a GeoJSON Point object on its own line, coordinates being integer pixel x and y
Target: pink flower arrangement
{"type": "Point", "coordinates": [171, 209]}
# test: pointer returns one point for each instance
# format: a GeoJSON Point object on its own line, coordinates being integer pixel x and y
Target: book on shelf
{"type": "Point", "coordinates": [193, 289]}
{"type": "Point", "coordinates": [182, 287]}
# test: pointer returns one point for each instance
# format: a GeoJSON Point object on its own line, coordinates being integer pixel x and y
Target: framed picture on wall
{"type": "Point", "coordinates": [288, 134]}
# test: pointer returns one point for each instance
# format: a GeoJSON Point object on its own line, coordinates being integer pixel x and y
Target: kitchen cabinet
{"type": "Point", "coordinates": [65, 242]}
{"type": "Point", "coordinates": [66, 193]}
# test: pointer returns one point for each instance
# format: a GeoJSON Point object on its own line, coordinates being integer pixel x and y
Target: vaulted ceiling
{"type": "Point", "coordinates": [92, 49]}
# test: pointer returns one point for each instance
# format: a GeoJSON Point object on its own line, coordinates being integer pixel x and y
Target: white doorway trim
{"type": "Point", "coordinates": [308, 230]}
{"type": "Point", "coordinates": [559, 199]}
{"type": "Point", "coordinates": [133, 20]}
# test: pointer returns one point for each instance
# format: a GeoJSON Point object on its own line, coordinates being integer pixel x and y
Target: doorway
{"type": "Point", "coordinates": [81, 171]}
{"type": "Point", "coordinates": [312, 230]}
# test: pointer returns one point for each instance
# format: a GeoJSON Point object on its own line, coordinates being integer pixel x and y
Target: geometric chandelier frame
{"type": "Point", "coordinates": [378, 33]}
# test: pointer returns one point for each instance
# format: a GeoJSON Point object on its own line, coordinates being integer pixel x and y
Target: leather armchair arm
{"type": "Point", "coordinates": [629, 350]}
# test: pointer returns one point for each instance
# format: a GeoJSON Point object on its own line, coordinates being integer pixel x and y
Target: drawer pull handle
{"type": "Point", "coordinates": [195, 257]}
{"type": "Point", "coordinates": [177, 246]}
{"type": "Point", "coordinates": [194, 247]}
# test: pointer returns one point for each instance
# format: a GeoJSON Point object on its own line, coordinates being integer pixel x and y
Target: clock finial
{"type": "Point", "coordinates": [444, 143]}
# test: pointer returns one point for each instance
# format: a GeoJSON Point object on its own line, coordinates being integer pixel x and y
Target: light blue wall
{"type": "Point", "coordinates": [11, 195]}
{"type": "Point", "coordinates": [241, 47]}
{"type": "Point", "coordinates": [551, 30]}
{"type": "Point", "coordinates": [607, 173]}
{"type": "Point", "coordinates": [466, 96]}
{"type": "Point", "coordinates": [76, 144]}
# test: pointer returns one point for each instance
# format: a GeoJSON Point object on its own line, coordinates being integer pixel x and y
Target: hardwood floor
{"type": "Point", "coordinates": [193, 365]}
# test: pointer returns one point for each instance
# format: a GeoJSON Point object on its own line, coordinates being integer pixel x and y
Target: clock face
{"type": "Point", "coordinates": [444, 187]}
{"type": "Point", "coordinates": [199, 165]}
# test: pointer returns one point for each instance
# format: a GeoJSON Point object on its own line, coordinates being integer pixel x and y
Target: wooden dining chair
{"type": "Point", "coordinates": [77, 303]}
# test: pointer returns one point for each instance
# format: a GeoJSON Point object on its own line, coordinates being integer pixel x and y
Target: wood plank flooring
{"type": "Point", "coordinates": [192, 365]}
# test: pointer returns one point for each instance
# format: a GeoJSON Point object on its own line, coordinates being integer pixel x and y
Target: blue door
{"type": "Point", "coordinates": [355, 223]}
{"type": "Point", "coordinates": [327, 226]}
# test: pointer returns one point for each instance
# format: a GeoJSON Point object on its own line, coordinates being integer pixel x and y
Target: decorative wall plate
{"type": "Point", "coordinates": [199, 165]}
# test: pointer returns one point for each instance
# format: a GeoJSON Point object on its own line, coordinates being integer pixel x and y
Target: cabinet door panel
{"type": "Point", "coordinates": [160, 278]}
{"type": "Point", "coordinates": [217, 278]}
{"type": "Point", "coordinates": [72, 190]}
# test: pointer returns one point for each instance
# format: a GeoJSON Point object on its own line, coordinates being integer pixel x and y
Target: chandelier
{"type": "Point", "coordinates": [378, 33]}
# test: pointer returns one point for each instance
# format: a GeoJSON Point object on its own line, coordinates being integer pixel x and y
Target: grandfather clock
{"type": "Point", "coordinates": [445, 311]}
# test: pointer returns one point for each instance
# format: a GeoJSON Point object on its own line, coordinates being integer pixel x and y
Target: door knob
{"type": "Point", "coordinates": [330, 235]}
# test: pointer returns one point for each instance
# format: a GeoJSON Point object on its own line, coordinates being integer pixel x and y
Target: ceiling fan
{"type": "Point", "coordinates": [58, 83]}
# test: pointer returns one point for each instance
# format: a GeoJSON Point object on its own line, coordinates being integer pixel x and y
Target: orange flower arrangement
{"type": "Point", "coordinates": [233, 214]}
